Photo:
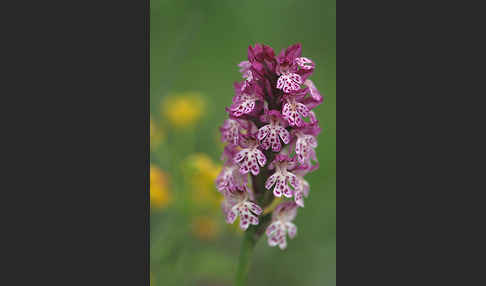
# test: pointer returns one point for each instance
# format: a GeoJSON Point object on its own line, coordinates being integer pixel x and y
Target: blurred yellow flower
{"type": "Point", "coordinates": [203, 175]}
{"type": "Point", "coordinates": [156, 134]}
{"type": "Point", "coordinates": [205, 228]}
{"type": "Point", "coordinates": [205, 166]}
{"type": "Point", "coordinates": [159, 193]}
{"type": "Point", "coordinates": [183, 109]}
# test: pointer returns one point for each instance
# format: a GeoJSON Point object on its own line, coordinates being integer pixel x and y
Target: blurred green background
{"type": "Point", "coordinates": [194, 49]}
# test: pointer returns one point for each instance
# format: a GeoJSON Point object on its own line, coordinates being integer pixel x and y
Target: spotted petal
{"type": "Point", "coordinates": [244, 104]}
{"type": "Point", "coordinates": [231, 215]}
{"type": "Point", "coordinates": [304, 63]}
{"type": "Point", "coordinates": [263, 132]}
{"type": "Point", "coordinates": [304, 147]}
{"type": "Point", "coordinates": [289, 82]}
{"type": "Point", "coordinates": [299, 198]}
{"type": "Point", "coordinates": [261, 157]}
{"type": "Point", "coordinates": [249, 159]}
{"type": "Point", "coordinates": [284, 134]}
{"type": "Point", "coordinates": [282, 187]}
{"type": "Point", "coordinates": [271, 181]}
{"type": "Point", "coordinates": [283, 242]}
{"type": "Point", "coordinates": [291, 229]}
{"type": "Point", "coordinates": [293, 112]}
{"type": "Point", "coordinates": [256, 209]}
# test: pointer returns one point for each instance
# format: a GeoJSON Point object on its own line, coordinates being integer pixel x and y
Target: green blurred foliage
{"type": "Point", "coordinates": [195, 46]}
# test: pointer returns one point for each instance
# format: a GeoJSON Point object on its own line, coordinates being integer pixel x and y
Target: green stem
{"type": "Point", "coordinates": [250, 240]}
{"type": "Point", "coordinates": [246, 253]}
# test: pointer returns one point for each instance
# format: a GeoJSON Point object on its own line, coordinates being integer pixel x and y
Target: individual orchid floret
{"type": "Point", "coordinates": [269, 134]}
{"type": "Point", "coordinates": [243, 104]}
{"type": "Point", "coordinates": [293, 111]}
{"type": "Point", "coordinates": [289, 82]}
{"type": "Point", "coordinates": [232, 129]}
{"type": "Point", "coordinates": [282, 178]}
{"type": "Point", "coordinates": [304, 146]}
{"type": "Point", "coordinates": [230, 179]}
{"type": "Point", "coordinates": [287, 68]}
{"type": "Point", "coordinates": [302, 189]}
{"type": "Point", "coordinates": [250, 158]}
{"type": "Point", "coordinates": [281, 225]}
{"type": "Point", "coordinates": [245, 100]}
{"type": "Point", "coordinates": [293, 69]}
{"type": "Point", "coordinates": [237, 204]}
{"type": "Point", "coordinates": [306, 141]}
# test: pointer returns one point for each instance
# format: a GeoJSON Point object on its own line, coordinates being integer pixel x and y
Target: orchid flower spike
{"type": "Point", "coordinates": [271, 140]}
